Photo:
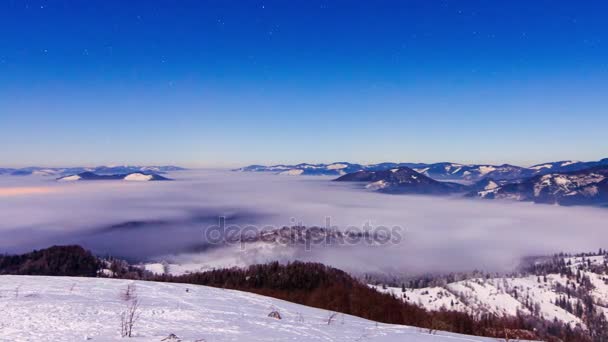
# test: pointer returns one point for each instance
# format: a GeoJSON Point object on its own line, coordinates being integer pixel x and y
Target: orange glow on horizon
{"type": "Point", "coordinates": [17, 191]}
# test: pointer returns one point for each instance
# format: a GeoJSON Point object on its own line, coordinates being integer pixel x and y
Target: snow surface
{"type": "Point", "coordinates": [491, 185]}
{"type": "Point", "coordinates": [508, 295]}
{"type": "Point", "coordinates": [422, 170]}
{"type": "Point", "coordinates": [495, 296]}
{"type": "Point", "coordinates": [73, 309]}
{"type": "Point", "coordinates": [69, 178]}
{"type": "Point", "coordinates": [381, 184]}
{"type": "Point", "coordinates": [139, 177]}
{"type": "Point", "coordinates": [431, 298]}
{"type": "Point", "coordinates": [540, 167]}
{"type": "Point", "coordinates": [336, 166]}
{"type": "Point", "coordinates": [485, 169]}
{"type": "Point", "coordinates": [292, 172]}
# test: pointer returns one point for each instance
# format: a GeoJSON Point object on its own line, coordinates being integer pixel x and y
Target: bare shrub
{"type": "Point", "coordinates": [171, 338]}
{"type": "Point", "coordinates": [130, 293]}
{"type": "Point", "coordinates": [129, 317]}
{"type": "Point", "coordinates": [332, 316]}
{"type": "Point", "coordinates": [275, 314]}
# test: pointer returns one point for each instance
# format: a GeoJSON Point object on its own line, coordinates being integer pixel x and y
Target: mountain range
{"type": "Point", "coordinates": [588, 186]}
{"type": "Point", "coordinates": [583, 187]}
{"type": "Point", "coordinates": [99, 170]}
{"type": "Point", "coordinates": [438, 171]}
{"type": "Point", "coordinates": [133, 176]}
{"type": "Point", "coordinates": [333, 169]}
{"type": "Point", "coordinates": [402, 180]}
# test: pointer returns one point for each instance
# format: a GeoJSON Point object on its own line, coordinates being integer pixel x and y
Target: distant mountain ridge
{"type": "Point", "coordinates": [100, 170]}
{"type": "Point", "coordinates": [333, 169]}
{"type": "Point", "coordinates": [402, 180]}
{"type": "Point", "coordinates": [583, 187]}
{"type": "Point", "coordinates": [133, 176]}
{"type": "Point", "coordinates": [437, 171]}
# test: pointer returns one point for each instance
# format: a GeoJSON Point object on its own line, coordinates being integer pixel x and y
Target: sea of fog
{"type": "Point", "coordinates": [145, 221]}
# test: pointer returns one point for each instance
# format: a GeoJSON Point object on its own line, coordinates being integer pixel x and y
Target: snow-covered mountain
{"type": "Point", "coordinates": [584, 187]}
{"type": "Point", "coordinates": [401, 180]}
{"type": "Point", "coordinates": [36, 308]}
{"type": "Point", "coordinates": [333, 169]}
{"type": "Point", "coordinates": [100, 170]}
{"type": "Point", "coordinates": [452, 171]}
{"type": "Point", "coordinates": [135, 176]}
{"type": "Point", "coordinates": [488, 184]}
{"type": "Point", "coordinates": [439, 171]}
{"type": "Point", "coordinates": [566, 166]}
{"type": "Point", "coordinates": [588, 186]}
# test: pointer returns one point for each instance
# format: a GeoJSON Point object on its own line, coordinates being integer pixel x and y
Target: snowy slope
{"type": "Point", "coordinates": [500, 296]}
{"type": "Point", "coordinates": [78, 309]}
{"type": "Point", "coordinates": [530, 294]}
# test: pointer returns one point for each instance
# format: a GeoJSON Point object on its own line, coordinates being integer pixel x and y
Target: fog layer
{"type": "Point", "coordinates": [151, 220]}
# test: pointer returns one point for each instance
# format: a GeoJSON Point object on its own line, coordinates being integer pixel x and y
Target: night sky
{"type": "Point", "coordinates": [224, 83]}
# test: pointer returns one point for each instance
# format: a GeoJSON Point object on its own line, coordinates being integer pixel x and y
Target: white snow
{"type": "Point", "coordinates": [45, 172]}
{"type": "Point", "coordinates": [485, 169]}
{"type": "Point", "coordinates": [381, 184]}
{"type": "Point", "coordinates": [491, 185]}
{"type": "Point", "coordinates": [431, 298]}
{"type": "Point", "coordinates": [560, 183]}
{"type": "Point", "coordinates": [540, 167]}
{"type": "Point", "coordinates": [139, 177]}
{"type": "Point", "coordinates": [156, 268]}
{"type": "Point", "coordinates": [507, 295]}
{"type": "Point", "coordinates": [73, 309]}
{"type": "Point", "coordinates": [69, 178]}
{"type": "Point", "coordinates": [591, 191]}
{"type": "Point", "coordinates": [336, 166]}
{"type": "Point", "coordinates": [292, 172]}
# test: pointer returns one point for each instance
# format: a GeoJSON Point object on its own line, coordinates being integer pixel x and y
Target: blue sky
{"type": "Point", "coordinates": [225, 83]}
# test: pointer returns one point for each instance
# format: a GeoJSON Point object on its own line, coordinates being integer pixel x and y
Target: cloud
{"type": "Point", "coordinates": [150, 221]}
